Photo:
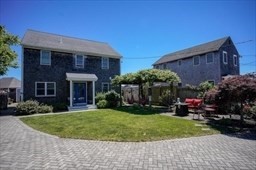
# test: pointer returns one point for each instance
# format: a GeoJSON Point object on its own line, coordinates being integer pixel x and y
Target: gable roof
{"type": "Point", "coordinates": [50, 41]}
{"type": "Point", "coordinates": [9, 82]}
{"type": "Point", "coordinates": [193, 51]}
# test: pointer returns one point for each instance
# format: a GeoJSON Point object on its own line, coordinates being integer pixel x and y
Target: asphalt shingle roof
{"type": "Point", "coordinates": [193, 51]}
{"type": "Point", "coordinates": [50, 41]}
{"type": "Point", "coordinates": [9, 82]}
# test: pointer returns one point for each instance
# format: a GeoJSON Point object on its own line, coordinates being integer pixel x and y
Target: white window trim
{"type": "Point", "coordinates": [198, 61]}
{"type": "Point", "coordinates": [102, 66]}
{"type": "Point", "coordinates": [78, 66]}
{"type": "Point", "coordinates": [103, 86]}
{"type": "Point", "coordinates": [45, 89]}
{"type": "Point", "coordinates": [235, 60]}
{"type": "Point", "coordinates": [212, 58]}
{"type": "Point", "coordinates": [223, 56]}
{"type": "Point", "coordinates": [41, 55]}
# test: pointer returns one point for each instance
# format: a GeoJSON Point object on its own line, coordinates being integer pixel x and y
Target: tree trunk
{"type": "Point", "coordinates": [139, 93]}
{"type": "Point", "coordinates": [120, 87]}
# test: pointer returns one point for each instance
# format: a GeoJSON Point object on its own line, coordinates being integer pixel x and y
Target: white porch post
{"type": "Point", "coordinates": [71, 93]}
{"type": "Point", "coordinates": [93, 92]}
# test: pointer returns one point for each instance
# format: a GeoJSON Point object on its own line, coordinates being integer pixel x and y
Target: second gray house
{"type": "Point", "coordinates": [61, 69]}
{"type": "Point", "coordinates": [206, 62]}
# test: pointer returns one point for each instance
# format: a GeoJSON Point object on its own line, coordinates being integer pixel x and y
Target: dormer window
{"type": "Point", "coordinates": [79, 61]}
{"type": "Point", "coordinates": [45, 57]}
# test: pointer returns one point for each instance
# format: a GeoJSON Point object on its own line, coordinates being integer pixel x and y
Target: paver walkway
{"type": "Point", "coordinates": [21, 147]}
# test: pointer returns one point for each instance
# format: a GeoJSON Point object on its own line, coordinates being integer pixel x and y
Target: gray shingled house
{"type": "Point", "coordinates": [206, 62]}
{"type": "Point", "coordinates": [62, 69]}
{"type": "Point", "coordinates": [12, 86]}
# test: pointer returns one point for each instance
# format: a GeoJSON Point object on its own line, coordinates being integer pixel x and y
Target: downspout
{"type": "Point", "coordinates": [22, 74]}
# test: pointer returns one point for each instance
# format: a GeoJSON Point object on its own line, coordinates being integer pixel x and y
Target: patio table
{"type": "Point", "coordinates": [181, 109]}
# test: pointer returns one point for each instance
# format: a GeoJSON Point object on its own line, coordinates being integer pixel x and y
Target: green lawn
{"type": "Point", "coordinates": [123, 124]}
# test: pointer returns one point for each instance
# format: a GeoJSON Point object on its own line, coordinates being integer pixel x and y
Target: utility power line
{"type": "Point", "coordinates": [139, 58]}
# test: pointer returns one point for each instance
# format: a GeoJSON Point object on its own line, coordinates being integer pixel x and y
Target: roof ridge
{"type": "Point", "coordinates": [199, 45]}
{"type": "Point", "coordinates": [210, 46]}
{"type": "Point", "coordinates": [66, 36]}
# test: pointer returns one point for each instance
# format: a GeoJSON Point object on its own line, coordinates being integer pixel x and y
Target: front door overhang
{"type": "Point", "coordinates": [80, 77]}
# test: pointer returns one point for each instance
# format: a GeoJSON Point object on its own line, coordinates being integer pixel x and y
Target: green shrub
{"type": "Point", "coordinates": [204, 87]}
{"type": "Point", "coordinates": [27, 108]}
{"type": "Point", "coordinates": [31, 107]}
{"type": "Point", "coordinates": [166, 99]}
{"type": "Point", "coordinates": [100, 96]}
{"type": "Point", "coordinates": [253, 111]}
{"type": "Point", "coordinates": [112, 98]}
{"type": "Point", "coordinates": [44, 109]}
{"type": "Point", "coordinates": [136, 106]}
{"type": "Point", "coordinates": [102, 104]}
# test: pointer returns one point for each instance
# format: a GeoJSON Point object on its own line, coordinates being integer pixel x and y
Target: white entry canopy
{"type": "Point", "coordinates": [81, 77]}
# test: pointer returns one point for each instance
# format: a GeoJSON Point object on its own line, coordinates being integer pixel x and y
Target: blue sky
{"type": "Point", "coordinates": [141, 31]}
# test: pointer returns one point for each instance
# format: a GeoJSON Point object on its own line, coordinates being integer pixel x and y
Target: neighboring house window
{"type": "Point", "coordinates": [209, 58]}
{"type": "Point", "coordinates": [212, 82]}
{"type": "Point", "coordinates": [104, 63]}
{"type": "Point", "coordinates": [45, 58]}
{"type": "Point", "coordinates": [157, 67]}
{"type": "Point", "coordinates": [225, 57]}
{"type": "Point", "coordinates": [196, 60]}
{"type": "Point", "coordinates": [179, 62]}
{"type": "Point", "coordinates": [235, 60]}
{"type": "Point", "coordinates": [79, 61]}
{"type": "Point", "coordinates": [164, 66]}
{"type": "Point", "coordinates": [45, 89]}
{"type": "Point", "coordinates": [105, 87]}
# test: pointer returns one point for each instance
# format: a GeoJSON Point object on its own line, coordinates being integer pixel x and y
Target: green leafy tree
{"type": "Point", "coordinates": [146, 77]}
{"type": "Point", "coordinates": [204, 87]}
{"type": "Point", "coordinates": [8, 57]}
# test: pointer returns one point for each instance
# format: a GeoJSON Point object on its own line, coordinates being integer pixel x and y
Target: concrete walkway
{"type": "Point", "coordinates": [21, 147]}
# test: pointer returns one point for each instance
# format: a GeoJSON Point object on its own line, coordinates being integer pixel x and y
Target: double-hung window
{"type": "Point", "coordinates": [209, 58]}
{"type": "Point", "coordinates": [45, 57]}
{"type": "Point", "coordinates": [235, 60]}
{"type": "Point", "coordinates": [225, 57]}
{"type": "Point", "coordinates": [196, 60]}
{"type": "Point", "coordinates": [105, 87]}
{"type": "Point", "coordinates": [45, 89]}
{"type": "Point", "coordinates": [179, 62]}
{"type": "Point", "coordinates": [105, 63]}
{"type": "Point", "coordinates": [79, 61]}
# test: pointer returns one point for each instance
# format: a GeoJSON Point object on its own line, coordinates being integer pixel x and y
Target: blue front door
{"type": "Point", "coordinates": [79, 93]}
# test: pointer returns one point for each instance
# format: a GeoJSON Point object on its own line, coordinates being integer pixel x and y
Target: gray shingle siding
{"type": "Point", "coordinates": [61, 63]}
{"type": "Point", "coordinates": [229, 68]}
{"type": "Point", "coordinates": [194, 75]}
